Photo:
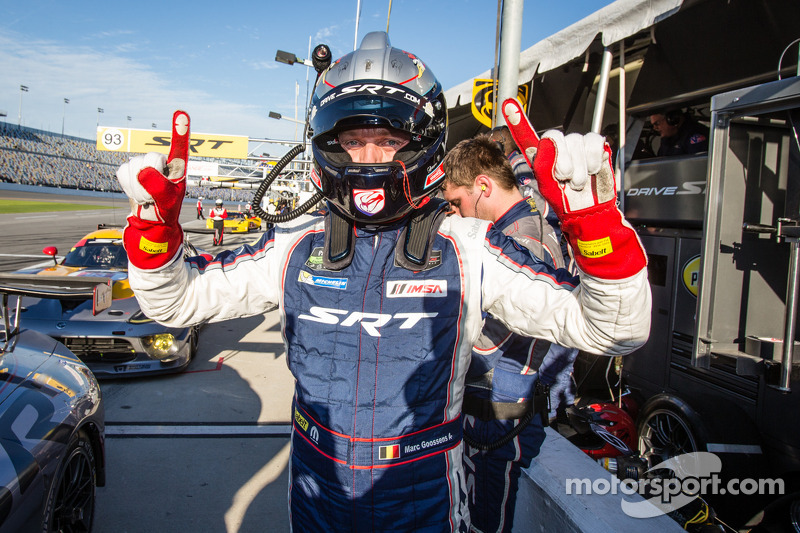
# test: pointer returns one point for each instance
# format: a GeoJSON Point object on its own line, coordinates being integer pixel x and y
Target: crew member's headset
{"type": "Point", "coordinates": [673, 117]}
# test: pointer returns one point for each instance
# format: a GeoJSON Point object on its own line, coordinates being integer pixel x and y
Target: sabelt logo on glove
{"type": "Point", "coordinates": [596, 248]}
{"type": "Point", "coordinates": [151, 247]}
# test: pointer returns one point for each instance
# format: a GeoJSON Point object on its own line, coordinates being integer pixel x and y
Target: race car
{"type": "Point", "coordinates": [119, 341]}
{"type": "Point", "coordinates": [52, 424]}
{"type": "Point", "coordinates": [238, 222]}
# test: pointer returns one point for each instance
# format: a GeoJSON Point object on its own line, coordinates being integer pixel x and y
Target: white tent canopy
{"type": "Point", "coordinates": [614, 22]}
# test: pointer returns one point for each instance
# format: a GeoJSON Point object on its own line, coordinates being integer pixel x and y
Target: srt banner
{"type": "Point", "coordinates": [143, 141]}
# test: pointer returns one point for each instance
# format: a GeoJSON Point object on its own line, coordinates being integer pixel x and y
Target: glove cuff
{"type": "Point", "coordinates": [151, 245]}
{"type": "Point", "coordinates": [604, 244]}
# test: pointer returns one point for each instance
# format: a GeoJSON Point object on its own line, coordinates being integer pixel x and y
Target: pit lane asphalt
{"type": "Point", "coordinates": [202, 451]}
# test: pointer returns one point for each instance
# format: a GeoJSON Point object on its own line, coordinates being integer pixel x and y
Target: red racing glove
{"type": "Point", "coordinates": [575, 177]}
{"type": "Point", "coordinates": [156, 185]}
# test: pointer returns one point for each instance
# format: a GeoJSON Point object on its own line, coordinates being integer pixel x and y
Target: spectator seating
{"type": "Point", "coordinates": [35, 157]}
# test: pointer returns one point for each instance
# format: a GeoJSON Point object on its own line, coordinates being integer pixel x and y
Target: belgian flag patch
{"type": "Point", "coordinates": [389, 452]}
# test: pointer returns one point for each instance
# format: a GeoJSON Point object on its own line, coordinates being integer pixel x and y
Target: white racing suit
{"type": "Point", "coordinates": [380, 353]}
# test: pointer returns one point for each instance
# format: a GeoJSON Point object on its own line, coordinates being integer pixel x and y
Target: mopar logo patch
{"type": "Point", "coordinates": [321, 281]}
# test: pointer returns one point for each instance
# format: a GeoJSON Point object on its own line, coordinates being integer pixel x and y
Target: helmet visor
{"type": "Point", "coordinates": [373, 103]}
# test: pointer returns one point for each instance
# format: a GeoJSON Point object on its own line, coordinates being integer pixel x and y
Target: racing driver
{"type": "Point", "coordinates": [381, 297]}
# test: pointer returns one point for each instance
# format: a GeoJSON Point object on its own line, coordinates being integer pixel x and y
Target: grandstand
{"type": "Point", "coordinates": [36, 157]}
{"type": "Point", "coordinates": [30, 156]}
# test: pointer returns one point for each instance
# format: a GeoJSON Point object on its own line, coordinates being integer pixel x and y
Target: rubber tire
{"type": "Point", "coordinates": [77, 474]}
{"type": "Point", "coordinates": [776, 517]}
{"type": "Point", "coordinates": [676, 416]}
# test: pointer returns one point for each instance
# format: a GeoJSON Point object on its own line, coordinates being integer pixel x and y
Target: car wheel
{"type": "Point", "coordinates": [669, 427]}
{"type": "Point", "coordinates": [70, 502]}
{"type": "Point", "coordinates": [781, 515]}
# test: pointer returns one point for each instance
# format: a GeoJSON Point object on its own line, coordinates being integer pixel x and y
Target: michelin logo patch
{"type": "Point", "coordinates": [321, 281]}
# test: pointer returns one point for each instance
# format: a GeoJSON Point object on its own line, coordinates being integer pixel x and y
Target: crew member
{"type": "Point", "coordinates": [527, 185]}
{"type": "Point", "coordinates": [200, 215]}
{"type": "Point", "coordinates": [505, 407]}
{"type": "Point", "coordinates": [381, 299]}
{"type": "Point", "coordinates": [218, 214]}
{"type": "Point", "coordinates": [680, 133]}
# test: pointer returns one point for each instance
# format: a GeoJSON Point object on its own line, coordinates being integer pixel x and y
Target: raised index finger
{"type": "Point", "coordinates": [520, 128]}
{"type": "Point", "coordinates": [179, 146]}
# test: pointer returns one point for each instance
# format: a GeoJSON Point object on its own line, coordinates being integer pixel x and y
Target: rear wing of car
{"type": "Point", "coordinates": [98, 289]}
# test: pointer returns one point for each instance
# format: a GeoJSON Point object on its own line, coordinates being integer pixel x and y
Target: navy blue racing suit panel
{"type": "Point", "coordinates": [373, 336]}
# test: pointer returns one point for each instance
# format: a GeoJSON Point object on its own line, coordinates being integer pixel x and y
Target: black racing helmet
{"type": "Point", "coordinates": [377, 85]}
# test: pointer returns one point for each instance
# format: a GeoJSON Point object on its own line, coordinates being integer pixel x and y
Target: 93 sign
{"type": "Point", "coordinates": [112, 139]}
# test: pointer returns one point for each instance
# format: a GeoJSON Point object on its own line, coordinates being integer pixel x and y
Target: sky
{"type": "Point", "coordinates": [216, 60]}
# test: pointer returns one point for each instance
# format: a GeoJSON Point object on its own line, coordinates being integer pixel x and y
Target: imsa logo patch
{"type": "Point", "coordinates": [432, 288]}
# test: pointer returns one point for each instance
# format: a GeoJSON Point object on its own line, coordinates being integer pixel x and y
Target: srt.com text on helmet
{"type": "Point", "coordinates": [691, 475]}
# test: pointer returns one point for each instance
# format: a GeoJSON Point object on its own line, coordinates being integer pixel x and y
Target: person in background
{"type": "Point", "coordinates": [680, 134]}
{"type": "Point", "coordinates": [382, 297]}
{"type": "Point", "coordinates": [505, 400]}
{"type": "Point", "coordinates": [611, 133]}
{"type": "Point", "coordinates": [555, 371]}
{"type": "Point", "coordinates": [218, 214]}
{"type": "Point", "coordinates": [200, 215]}
{"type": "Point", "coordinates": [523, 173]}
